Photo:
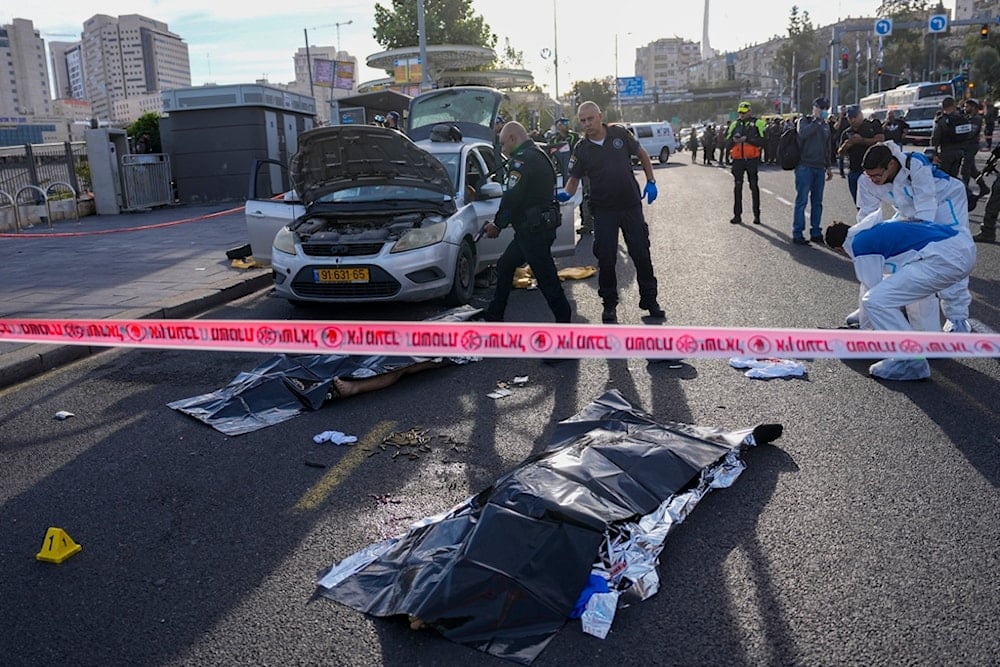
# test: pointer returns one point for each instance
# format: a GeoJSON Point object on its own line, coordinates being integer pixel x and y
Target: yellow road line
{"type": "Point", "coordinates": [355, 455]}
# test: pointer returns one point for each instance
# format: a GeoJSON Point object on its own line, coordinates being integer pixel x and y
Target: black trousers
{"type": "Point", "coordinates": [607, 223]}
{"type": "Point", "coordinates": [748, 167]}
{"type": "Point", "coordinates": [533, 248]}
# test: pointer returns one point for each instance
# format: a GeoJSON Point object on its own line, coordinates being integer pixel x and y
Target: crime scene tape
{"type": "Point", "coordinates": [492, 339]}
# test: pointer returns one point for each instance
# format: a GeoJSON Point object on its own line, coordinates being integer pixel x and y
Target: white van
{"type": "Point", "coordinates": [657, 138]}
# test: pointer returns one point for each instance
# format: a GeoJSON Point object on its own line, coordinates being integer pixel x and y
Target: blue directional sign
{"type": "Point", "coordinates": [937, 23]}
{"type": "Point", "coordinates": [630, 86]}
{"type": "Point", "coordinates": [883, 27]}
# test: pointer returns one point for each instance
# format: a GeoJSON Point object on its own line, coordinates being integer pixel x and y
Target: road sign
{"type": "Point", "coordinates": [630, 86]}
{"type": "Point", "coordinates": [883, 27]}
{"type": "Point", "coordinates": [937, 23]}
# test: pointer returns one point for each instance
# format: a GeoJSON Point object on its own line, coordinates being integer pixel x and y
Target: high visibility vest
{"type": "Point", "coordinates": [750, 128]}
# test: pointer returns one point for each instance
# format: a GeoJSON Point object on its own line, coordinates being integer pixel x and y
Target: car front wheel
{"type": "Point", "coordinates": [465, 279]}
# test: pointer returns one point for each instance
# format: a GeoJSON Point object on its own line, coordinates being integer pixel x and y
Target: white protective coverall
{"type": "Point", "coordinates": [922, 192]}
{"type": "Point", "coordinates": [925, 258]}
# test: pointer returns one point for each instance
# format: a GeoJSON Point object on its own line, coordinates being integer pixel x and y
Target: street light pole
{"type": "Point", "coordinates": [337, 48]}
{"type": "Point", "coordinates": [555, 52]}
{"type": "Point", "coordinates": [309, 66]}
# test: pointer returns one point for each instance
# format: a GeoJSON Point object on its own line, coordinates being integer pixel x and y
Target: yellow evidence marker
{"type": "Point", "coordinates": [57, 547]}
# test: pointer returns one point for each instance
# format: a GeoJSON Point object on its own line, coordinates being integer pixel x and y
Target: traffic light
{"type": "Point", "coordinates": [878, 71]}
{"type": "Point", "coordinates": [972, 85]}
{"type": "Point", "coordinates": [845, 61]}
{"type": "Point", "coordinates": [731, 71]}
{"type": "Point", "coordinates": [746, 86]}
{"type": "Point", "coordinates": [984, 32]}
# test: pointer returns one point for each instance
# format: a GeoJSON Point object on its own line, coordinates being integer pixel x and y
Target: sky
{"type": "Point", "coordinates": [259, 40]}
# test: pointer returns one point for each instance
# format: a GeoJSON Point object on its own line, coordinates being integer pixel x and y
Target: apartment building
{"type": "Point", "coordinates": [664, 64]}
{"type": "Point", "coordinates": [24, 85]}
{"type": "Point", "coordinates": [128, 61]}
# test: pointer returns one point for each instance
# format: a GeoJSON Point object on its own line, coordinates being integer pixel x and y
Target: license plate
{"type": "Point", "coordinates": [340, 275]}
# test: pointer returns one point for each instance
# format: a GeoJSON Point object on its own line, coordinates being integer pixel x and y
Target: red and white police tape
{"type": "Point", "coordinates": [488, 339]}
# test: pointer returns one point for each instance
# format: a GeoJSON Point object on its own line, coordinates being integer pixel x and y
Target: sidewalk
{"type": "Point", "coordinates": [165, 263]}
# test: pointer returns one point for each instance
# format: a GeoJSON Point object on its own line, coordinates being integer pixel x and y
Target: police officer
{"type": "Point", "coordinates": [605, 155]}
{"type": "Point", "coordinates": [744, 139]}
{"type": "Point", "coordinates": [528, 205]}
{"type": "Point", "coordinates": [561, 145]}
{"type": "Point", "coordinates": [952, 131]}
{"type": "Point", "coordinates": [971, 147]}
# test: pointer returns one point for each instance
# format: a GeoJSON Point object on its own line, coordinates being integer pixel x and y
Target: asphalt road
{"type": "Point", "coordinates": [867, 534]}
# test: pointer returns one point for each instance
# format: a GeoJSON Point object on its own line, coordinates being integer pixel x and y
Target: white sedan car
{"type": "Point", "coordinates": [386, 218]}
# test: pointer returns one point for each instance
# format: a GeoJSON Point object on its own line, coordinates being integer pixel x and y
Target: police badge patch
{"type": "Point", "coordinates": [515, 174]}
{"type": "Point", "coordinates": [618, 143]}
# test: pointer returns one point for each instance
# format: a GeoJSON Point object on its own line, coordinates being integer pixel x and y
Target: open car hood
{"type": "Point", "coordinates": [345, 156]}
{"type": "Point", "coordinates": [472, 109]}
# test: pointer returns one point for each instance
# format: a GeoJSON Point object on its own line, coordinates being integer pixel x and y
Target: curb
{"type": "Point", "coordinates": [33, 360]}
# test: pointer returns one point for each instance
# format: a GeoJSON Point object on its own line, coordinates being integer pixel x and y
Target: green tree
{"type": "Point", "coordinates": [985, 72]}
{"type": "Point", "coordinates": [148, 124]}
{"type": "Point", "coordinates": [445, 22]}
{"type": "Point", "coordinates": [801, 48]}
{"type": "Point", "coordinates": [600, 91]}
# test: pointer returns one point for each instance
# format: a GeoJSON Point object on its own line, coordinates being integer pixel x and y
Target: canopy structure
{"type": "Point", "coordinates": [449, 65]}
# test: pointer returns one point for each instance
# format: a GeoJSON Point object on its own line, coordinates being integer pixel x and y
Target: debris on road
{"type": "Point", "coordinates": [503, 571]}
{"type": "Point", "coordinates": [766, 369]}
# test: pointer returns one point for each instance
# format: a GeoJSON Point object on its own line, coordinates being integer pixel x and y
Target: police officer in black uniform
{"type": "Point", "coordinates": [952, 130]}
{"type": "Point", "coordinates": [529, 206]}
{"type": "Point", "coordinates": [605, 155]}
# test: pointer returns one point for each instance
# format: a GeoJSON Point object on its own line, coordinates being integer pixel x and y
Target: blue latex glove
{"type": "Point", "coordinates": [650, 192]}
{"type": "Point", "coordinates": [564, 196]}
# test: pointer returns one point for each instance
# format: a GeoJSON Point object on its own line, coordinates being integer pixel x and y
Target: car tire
{"type": "Point", "coordinates": [465, 280]}
{"type": "Point", "coordinates": [664, 155]}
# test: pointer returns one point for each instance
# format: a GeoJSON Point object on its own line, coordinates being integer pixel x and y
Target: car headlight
{"type": "Point", "coordinates": [284, 241]}
{"type": "Point", "coordinates": [421, 237]}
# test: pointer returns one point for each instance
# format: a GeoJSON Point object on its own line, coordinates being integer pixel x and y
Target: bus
{"type": "Point", "coordinates": [917, 104]}
{"type": "Point", "coordinates": [873, 106]}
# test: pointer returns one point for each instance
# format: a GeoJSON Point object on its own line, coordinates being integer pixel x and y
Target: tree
{"type": "Point", "coordinates": [801, 47]}
{"type": "Point", "coordinates": [147, 124]}
{"type": "Point", "coordinates": [600, 91]}
{"type": "Point", "coordinates": [986, 71]}
{"type": "Point", "coordinates": [445, 22]}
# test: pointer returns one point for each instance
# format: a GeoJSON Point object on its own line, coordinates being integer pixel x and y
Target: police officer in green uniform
{"type": "Point", "coordinates": [529, 206]}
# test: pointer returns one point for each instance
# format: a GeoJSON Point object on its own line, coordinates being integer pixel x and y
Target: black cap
{"type": "Point", "coordinates": [821, 103]}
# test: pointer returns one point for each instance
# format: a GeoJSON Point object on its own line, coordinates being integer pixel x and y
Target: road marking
{"type": "Point", "coordinates": [785, 201]}
{"type": "Point", "coordinates": [355, 455]}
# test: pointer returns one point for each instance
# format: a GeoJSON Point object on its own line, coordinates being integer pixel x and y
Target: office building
{"type": "Point", "coordinates": [127, 62]}
{"type": "Point", "coordinates": [24, 86]}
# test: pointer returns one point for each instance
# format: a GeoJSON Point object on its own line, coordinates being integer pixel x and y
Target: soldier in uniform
{"type": "Point", "coordinates": [529, 206]}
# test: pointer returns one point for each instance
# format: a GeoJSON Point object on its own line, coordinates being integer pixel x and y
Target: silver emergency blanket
{"type": "Point", "coordinates": [287, 385]}
{"type": "Point", "coordinates": [503, 571]}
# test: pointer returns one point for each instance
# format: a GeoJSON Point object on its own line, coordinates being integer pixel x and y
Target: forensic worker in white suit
{"type": "Point", "coordinates": [926, 258]}
{"type": "Point", "coordinates": [919, 191]}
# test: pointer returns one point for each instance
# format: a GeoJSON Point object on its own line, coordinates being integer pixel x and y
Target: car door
{"type": "Point", "coordinates": [267, 208]}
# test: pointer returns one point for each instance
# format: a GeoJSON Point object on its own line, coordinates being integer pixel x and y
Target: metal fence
{"type": "Point", "coordinates": [41, 165]}
{"type": "Point", "coordinates": [146, 181]}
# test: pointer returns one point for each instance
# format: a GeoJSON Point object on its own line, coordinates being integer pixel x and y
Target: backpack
{"type": "Point", "coordinates": [788, 149]}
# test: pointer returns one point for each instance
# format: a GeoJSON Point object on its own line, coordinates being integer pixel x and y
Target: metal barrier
{"type": "Point", "coordinates": [146, 181]}
{"type": "Point", "coordinates": [48, 201]}
{"type": "Point", "coordinates": [44, 200]}
{"type": "Point", "coordinates": [13, 207]}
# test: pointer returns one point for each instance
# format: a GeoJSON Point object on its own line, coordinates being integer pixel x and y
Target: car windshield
{"type": "Point", "coordinates": [450, 162]}
{"type": "Point", "coordinates": [921, 113]}
{"type": "Point", "coordinates": [380, 194]}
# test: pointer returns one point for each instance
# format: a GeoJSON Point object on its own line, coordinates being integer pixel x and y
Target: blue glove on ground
{"type": "Point", "coordinates": [650, 192]}
{"type": "Point", "coordinates": [563, 196]}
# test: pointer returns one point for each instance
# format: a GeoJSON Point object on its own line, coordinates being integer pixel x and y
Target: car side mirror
{"type": "Point", "coordinates": [490, 190]}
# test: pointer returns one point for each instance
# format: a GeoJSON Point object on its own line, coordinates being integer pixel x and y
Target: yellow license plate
{"type": "Point", "coordinates": [340, 275]}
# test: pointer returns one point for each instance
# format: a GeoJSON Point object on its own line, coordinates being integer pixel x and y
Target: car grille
{"type": "Point", "coordinates": [380, 284]}
{"type": "Point", "coordinates": [341, 249]}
